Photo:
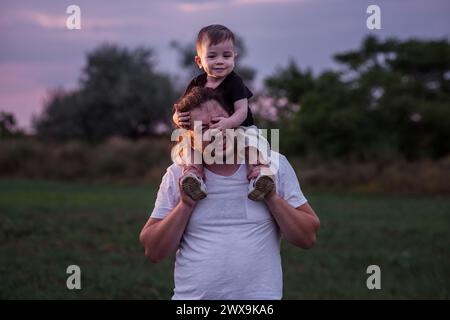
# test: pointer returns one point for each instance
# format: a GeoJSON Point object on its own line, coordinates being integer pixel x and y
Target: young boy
{"type": "Point", "coordinates": [216, 56]}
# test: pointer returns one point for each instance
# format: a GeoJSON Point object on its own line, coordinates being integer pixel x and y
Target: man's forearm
{"type": "Point", "coordinates": [297, 226]}
{"type": "Point", "coordinates": [162, 238]}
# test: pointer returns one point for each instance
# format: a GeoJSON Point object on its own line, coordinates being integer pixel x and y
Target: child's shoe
{"type": "Point", "coordinates": [193, 186]}
{"type": "Point", "coordinates": [260, 187]}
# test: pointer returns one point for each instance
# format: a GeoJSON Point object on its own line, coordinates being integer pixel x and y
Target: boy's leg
{"type": "Point", "coordinates": [256, 153]}
{"type": "Point", "coordinates": [192, 182]}
{"type": "Point", "coordinates": [264, 183]}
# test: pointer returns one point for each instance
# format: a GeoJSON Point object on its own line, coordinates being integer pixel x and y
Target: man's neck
{"type": "Point", "coordinates": [223, 169]}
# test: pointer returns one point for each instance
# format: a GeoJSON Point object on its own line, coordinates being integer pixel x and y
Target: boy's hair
{"type": "Point", "coordinates": [196, 97]}
{"type": "Point", "coordinates": [215, 33]}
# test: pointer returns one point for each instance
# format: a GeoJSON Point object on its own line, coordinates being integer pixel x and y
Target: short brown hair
{"type": "Point", "coordinates": [215, 33]}
{"type": "Point", "coordinates": [196, 97]}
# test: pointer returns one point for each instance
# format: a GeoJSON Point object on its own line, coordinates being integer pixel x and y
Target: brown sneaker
{"type": "Point", "coordinates": [193, 186]}
{"type": "Point", "coordinates": [260, 187]}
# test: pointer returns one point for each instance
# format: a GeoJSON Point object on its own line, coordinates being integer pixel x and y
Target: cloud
{"type": "Point", "coordinates": [45, 20]}
{"type": "Point", "coordinates": [200, 6]}
{"type": "Point", "coordinates": [48, 21]}
{"type": "Point", "coordinates": [58, 21]}
{"type": "Point", "coordinates": [252, 2]}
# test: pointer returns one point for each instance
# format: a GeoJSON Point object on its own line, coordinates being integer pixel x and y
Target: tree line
{"type": "Point", "coordinates": [387, 99]}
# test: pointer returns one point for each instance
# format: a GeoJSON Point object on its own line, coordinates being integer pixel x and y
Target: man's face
{"type": "Point", "coordinates": [207, 114]}
{"type": "Point", "coordinates": [216, 60]}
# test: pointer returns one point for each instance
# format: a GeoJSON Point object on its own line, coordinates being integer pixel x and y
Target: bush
{"type": "Point", "coordinates": [21, 155]}
{"type": "Point", "coordinates": [145, 160]}
{"type": "Point", "coordinates": [115, 159]}
{"type": "Point", "coordinates": [393, 176]}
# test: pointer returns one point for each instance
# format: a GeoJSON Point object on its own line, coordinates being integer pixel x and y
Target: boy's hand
{"type": "Point", "coordinates": [221, 123]}
{"type": "Point", "coordinates": [182, 119]}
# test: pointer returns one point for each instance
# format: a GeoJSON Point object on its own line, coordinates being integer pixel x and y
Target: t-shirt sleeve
{"type": "Point", "coordinates": [289, 186]}
{"type": "Point", "coordinates": [198, 81]}
{"type": "Point", "coordinates": [191, 85]}
{"type": "Point", "coordinates": [237, 90]}
{"type": "Point", "coordinates": [168, 194]}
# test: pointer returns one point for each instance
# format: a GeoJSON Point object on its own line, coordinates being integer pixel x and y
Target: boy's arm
{"type": "Point", "coordinates": [236, 119]}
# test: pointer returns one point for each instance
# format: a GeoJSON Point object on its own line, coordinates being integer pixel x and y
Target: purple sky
{"type": "Point", "coordinates": [38, 53]}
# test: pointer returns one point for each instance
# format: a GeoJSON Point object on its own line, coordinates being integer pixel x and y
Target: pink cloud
{"type": "Point", "coordinates": [58, 21]}
{"type": "Point", "coordinates": [46, 20]}
{"type": "Point", "coordinates": [213, 5]}
{"type": "Point", "coordinates": [250, 2]}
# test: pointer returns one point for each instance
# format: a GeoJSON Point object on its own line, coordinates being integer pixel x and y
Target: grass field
{"type": "Point", "coordinates": [46, 226]}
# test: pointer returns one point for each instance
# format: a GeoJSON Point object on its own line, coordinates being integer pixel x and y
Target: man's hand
{"type": "Point", "coordinates": [184, 198]}
{"type": "Point", "coordinates": [182, 119]}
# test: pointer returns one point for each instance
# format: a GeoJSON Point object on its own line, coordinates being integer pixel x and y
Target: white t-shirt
{"type": "Point", "coordinates": [231, 245]}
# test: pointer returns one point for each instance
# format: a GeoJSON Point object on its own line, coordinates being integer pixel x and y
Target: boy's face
{"type": "Point", "coordinates": [216, 60]}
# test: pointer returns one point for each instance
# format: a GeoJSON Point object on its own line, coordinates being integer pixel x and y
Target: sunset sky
{"type": "Point", "coordinates": [38, 52]}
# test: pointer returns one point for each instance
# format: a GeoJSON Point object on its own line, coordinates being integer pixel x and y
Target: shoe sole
{"type": "Point", "coordinates": [263, 186]}
{"type": "Point", "coordinates": [192, 188]}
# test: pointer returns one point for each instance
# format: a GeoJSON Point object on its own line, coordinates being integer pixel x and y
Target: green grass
{"type": "Point", "coordinates": [46, 226]}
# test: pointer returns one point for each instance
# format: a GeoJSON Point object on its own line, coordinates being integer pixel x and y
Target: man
{"type": "Point", "coordinates": [228, 246]}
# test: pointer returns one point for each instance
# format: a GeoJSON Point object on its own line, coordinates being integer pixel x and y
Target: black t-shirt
{"type": "Point", "coordinates": [232, 89]}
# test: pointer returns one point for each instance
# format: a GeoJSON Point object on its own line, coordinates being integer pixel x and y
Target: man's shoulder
{"type": "Point", "coordinates": [174, 171]}
{"type": "Point", "coordinates": [278, 162]}
{"type": "Point", "coordinates": [277, 156]}
{"type": "Point", "coordinates": [199, 80]}
{"type": "Point", "coordinates": [175, 168]}
{"type": "Point", "coordinates": [233, 77]}
{"type": "Point", "coordinates": [235, 83]}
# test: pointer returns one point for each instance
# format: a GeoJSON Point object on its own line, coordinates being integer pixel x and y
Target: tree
{"type": "Point", "coordinates": [8, 125]}
{"type": "Point", "coordinates": [290, 82]}
{"type": "Point", "coordinates": [119, 93]}
{"type": "Point", "coordinates": [388, 99]}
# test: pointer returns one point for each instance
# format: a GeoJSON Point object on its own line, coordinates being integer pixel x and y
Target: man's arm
{"type": "Point", "coordinates": [182, 119]}
{"type": "Point", "coordinates": [298, 225]}
{"type": "Point", "coordinates": [161, 237]}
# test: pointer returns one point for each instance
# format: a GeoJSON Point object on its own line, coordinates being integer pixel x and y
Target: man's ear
{"type": "Point", "coordinates": [198, 61]}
